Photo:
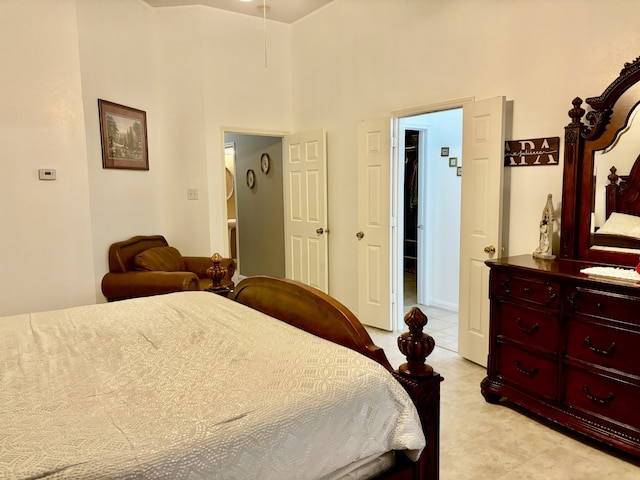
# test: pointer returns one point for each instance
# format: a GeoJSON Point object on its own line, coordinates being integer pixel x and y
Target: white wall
{"type": "Point", "coordinates": [193, 73]}
{"type": "Point", "coordinates": [193, 70]}
{"type": "Point", "coordinates": [197, 70]}
{"type": "Point", "coordinates": [45, 229]}
{"type": "Point", "coordinates": [380, 56]}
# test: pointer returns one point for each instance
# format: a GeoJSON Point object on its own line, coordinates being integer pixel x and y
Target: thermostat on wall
{"type": "Point", "coordinates": [47, 174]}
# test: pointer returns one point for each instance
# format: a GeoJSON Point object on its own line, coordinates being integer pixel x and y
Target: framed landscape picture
{"type": "Point", "coordinates": [123, 135]}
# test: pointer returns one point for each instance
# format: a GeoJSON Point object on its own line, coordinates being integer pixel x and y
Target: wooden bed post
{"type": "Point", "coordinates": [423, 385]}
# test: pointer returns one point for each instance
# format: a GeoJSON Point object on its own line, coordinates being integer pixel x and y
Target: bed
{"type": "Point", "coordinates": [195, 385]}
{"type": "Point", "coordinates": [622, 226]}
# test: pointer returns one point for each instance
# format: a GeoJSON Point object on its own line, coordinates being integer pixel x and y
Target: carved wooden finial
{"type": "Point", "coordinates": [577, 111]}
{"type": "Point", "coordinates": [217, 272]}
{"type": "Point", "coordinates": [613, 176]}
{"type": "Point", "coordinates": [416, 345]}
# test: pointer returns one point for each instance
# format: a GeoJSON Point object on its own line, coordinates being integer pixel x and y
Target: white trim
{"type": "Point", "coordinates": [434, 107]}
{"type": "Point", "coordinates": [254, 131]}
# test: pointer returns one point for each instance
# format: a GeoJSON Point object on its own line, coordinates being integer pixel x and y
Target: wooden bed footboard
{"type": "Point", "coordinates": [316, 312]}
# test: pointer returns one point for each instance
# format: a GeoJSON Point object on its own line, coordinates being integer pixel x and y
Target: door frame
{"type": "Point", "coordinates": [397, 224]}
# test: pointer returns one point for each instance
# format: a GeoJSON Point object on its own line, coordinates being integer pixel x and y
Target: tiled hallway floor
{"type": "Point", "coordinates": [480, 441]}
{"type": "Point", "coordinates": [442, 321]}
{"type": "Point", "coordinates": [442, 325]}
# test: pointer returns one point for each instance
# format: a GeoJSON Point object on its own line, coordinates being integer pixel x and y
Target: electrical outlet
{"type": "Point", "coordinates": [192, 194]}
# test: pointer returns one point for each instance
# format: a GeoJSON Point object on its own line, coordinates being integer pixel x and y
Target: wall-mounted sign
{"type": "Point", "coordinates": [539, 151]}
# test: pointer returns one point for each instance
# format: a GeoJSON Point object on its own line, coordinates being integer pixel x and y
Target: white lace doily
{"type": "Point", "coordinates": [613, 272]}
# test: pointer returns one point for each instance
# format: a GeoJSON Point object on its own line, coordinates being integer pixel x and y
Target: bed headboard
{"type": "Point", "coordinates": [308, 309]}
{"type": "Point", "coordinates": [597, 129]}
{"type": "Point", "coordinates": [623, 191]}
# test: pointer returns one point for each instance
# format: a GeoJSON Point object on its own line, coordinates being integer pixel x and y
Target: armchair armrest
{"type": "Point", "coordinates": [117, 286]}
{"type": "Point", "coordinates": [198, 265]}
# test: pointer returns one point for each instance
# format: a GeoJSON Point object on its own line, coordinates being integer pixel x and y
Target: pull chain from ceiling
{"type": "Point", "coordinates": [264, 21]}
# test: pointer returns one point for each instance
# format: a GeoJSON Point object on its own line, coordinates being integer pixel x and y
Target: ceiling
{"type": "Point", "coordinates": [286, 11]}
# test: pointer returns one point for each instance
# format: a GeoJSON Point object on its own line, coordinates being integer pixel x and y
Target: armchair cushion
{"type": "Point", "coordinates": [159, 259]}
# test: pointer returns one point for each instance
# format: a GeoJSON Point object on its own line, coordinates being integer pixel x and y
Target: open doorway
{"type": "Point", "coordinates": [430, 187]}
{"type": "Point", "coordinates": [281, 225]}
{"type": "Point", "coordinates": [255, 211]}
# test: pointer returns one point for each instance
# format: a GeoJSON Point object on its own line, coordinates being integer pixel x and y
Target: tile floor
{"type": "Point", "coordinates": [480, 441]}
{"type": "Point", "coordinates": [442, 321]}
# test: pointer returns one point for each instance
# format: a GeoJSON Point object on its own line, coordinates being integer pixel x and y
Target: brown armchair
{"type": "Point", "coordinates": [147, 265]}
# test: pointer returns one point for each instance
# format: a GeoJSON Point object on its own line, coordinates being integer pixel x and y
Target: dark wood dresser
{"type": "Point", "coordinates": [566, 346]}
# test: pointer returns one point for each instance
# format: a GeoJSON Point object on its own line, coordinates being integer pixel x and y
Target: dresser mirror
{"type": "Point", "coordinates": [621, 156]}
{"type": "Point", "coordinates": [600, 204]}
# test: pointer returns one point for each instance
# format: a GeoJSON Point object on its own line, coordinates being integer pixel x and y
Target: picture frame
{"type": "Point", "coordinates": [459, 171]}
{"type": "Point", "coordinates": [453, 161]}
{"type": "Point", "coordinates": [251, 178]}
{"type": "Point", "coordinates": [123, 136]}
{"type": "Point", "coordinates": [444, 152]}
{"type": "Point", "coordinates": [265, 163]}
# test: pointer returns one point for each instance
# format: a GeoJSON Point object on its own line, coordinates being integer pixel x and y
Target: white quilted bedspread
{"type": "Point", "coordinates": [188, 385]}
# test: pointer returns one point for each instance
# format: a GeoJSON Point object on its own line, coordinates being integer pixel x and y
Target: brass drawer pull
{"type": "Point", "coordinates": [528, 331]}
{"type": "Point", "coordinates": [594, 399]}
{"type": "Point", "coordinates": [606, 353]}
{"type": "Point", "coordinates": [526, 290]}
{"type": "Point", "coordinates": [528, 373]}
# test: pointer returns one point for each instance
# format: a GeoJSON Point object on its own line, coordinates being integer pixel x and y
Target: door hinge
{"type": "Point", "coordinates": [393, 299]}
{"type": "Point", "coordinates": [394, 142]}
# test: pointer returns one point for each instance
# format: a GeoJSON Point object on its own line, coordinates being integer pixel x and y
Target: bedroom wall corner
{"type": "Point", "coordinates": [117, 60]}
{"type": "Point", "coordinates": [186, 68]}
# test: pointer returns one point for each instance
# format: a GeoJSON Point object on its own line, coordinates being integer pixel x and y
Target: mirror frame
{"type": "Point", "coordinates": [608, 115]}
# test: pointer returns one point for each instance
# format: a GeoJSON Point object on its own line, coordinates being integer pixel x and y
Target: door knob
{"type": "Point", "coordinates": [321, 230]}
{"type": "Point", "coordinates": [490, 249]}
{"type": "Point", "coordinates": [360, 234]}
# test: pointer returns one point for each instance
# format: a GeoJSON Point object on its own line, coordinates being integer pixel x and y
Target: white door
{"type": "Point", "coordinates": [480, 220]}
{"type": "Point", "coordinates": [374, 218]}
{"type": "Point", "coordinates": [305, 208]}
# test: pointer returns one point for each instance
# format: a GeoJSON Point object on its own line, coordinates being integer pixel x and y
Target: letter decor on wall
{"type": "Point", "coordinates": [525, 153]}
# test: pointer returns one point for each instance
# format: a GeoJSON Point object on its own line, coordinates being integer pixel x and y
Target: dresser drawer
{"type": "Point", "coordinates": [603, 396]}
{"type": "Point", "coordinates": [604, 345]}
{"type": "Point", "coordinates": [529, 371]}
{"type": "Point", "coordinates": [527, 325]}
{"type": "Point", "coordinates": [533, 290]}
{"type": "Point", "coordinates": [605, 305]}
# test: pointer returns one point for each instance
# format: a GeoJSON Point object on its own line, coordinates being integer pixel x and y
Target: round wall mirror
{"type": "Point", "coordinates": [229, 183]}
